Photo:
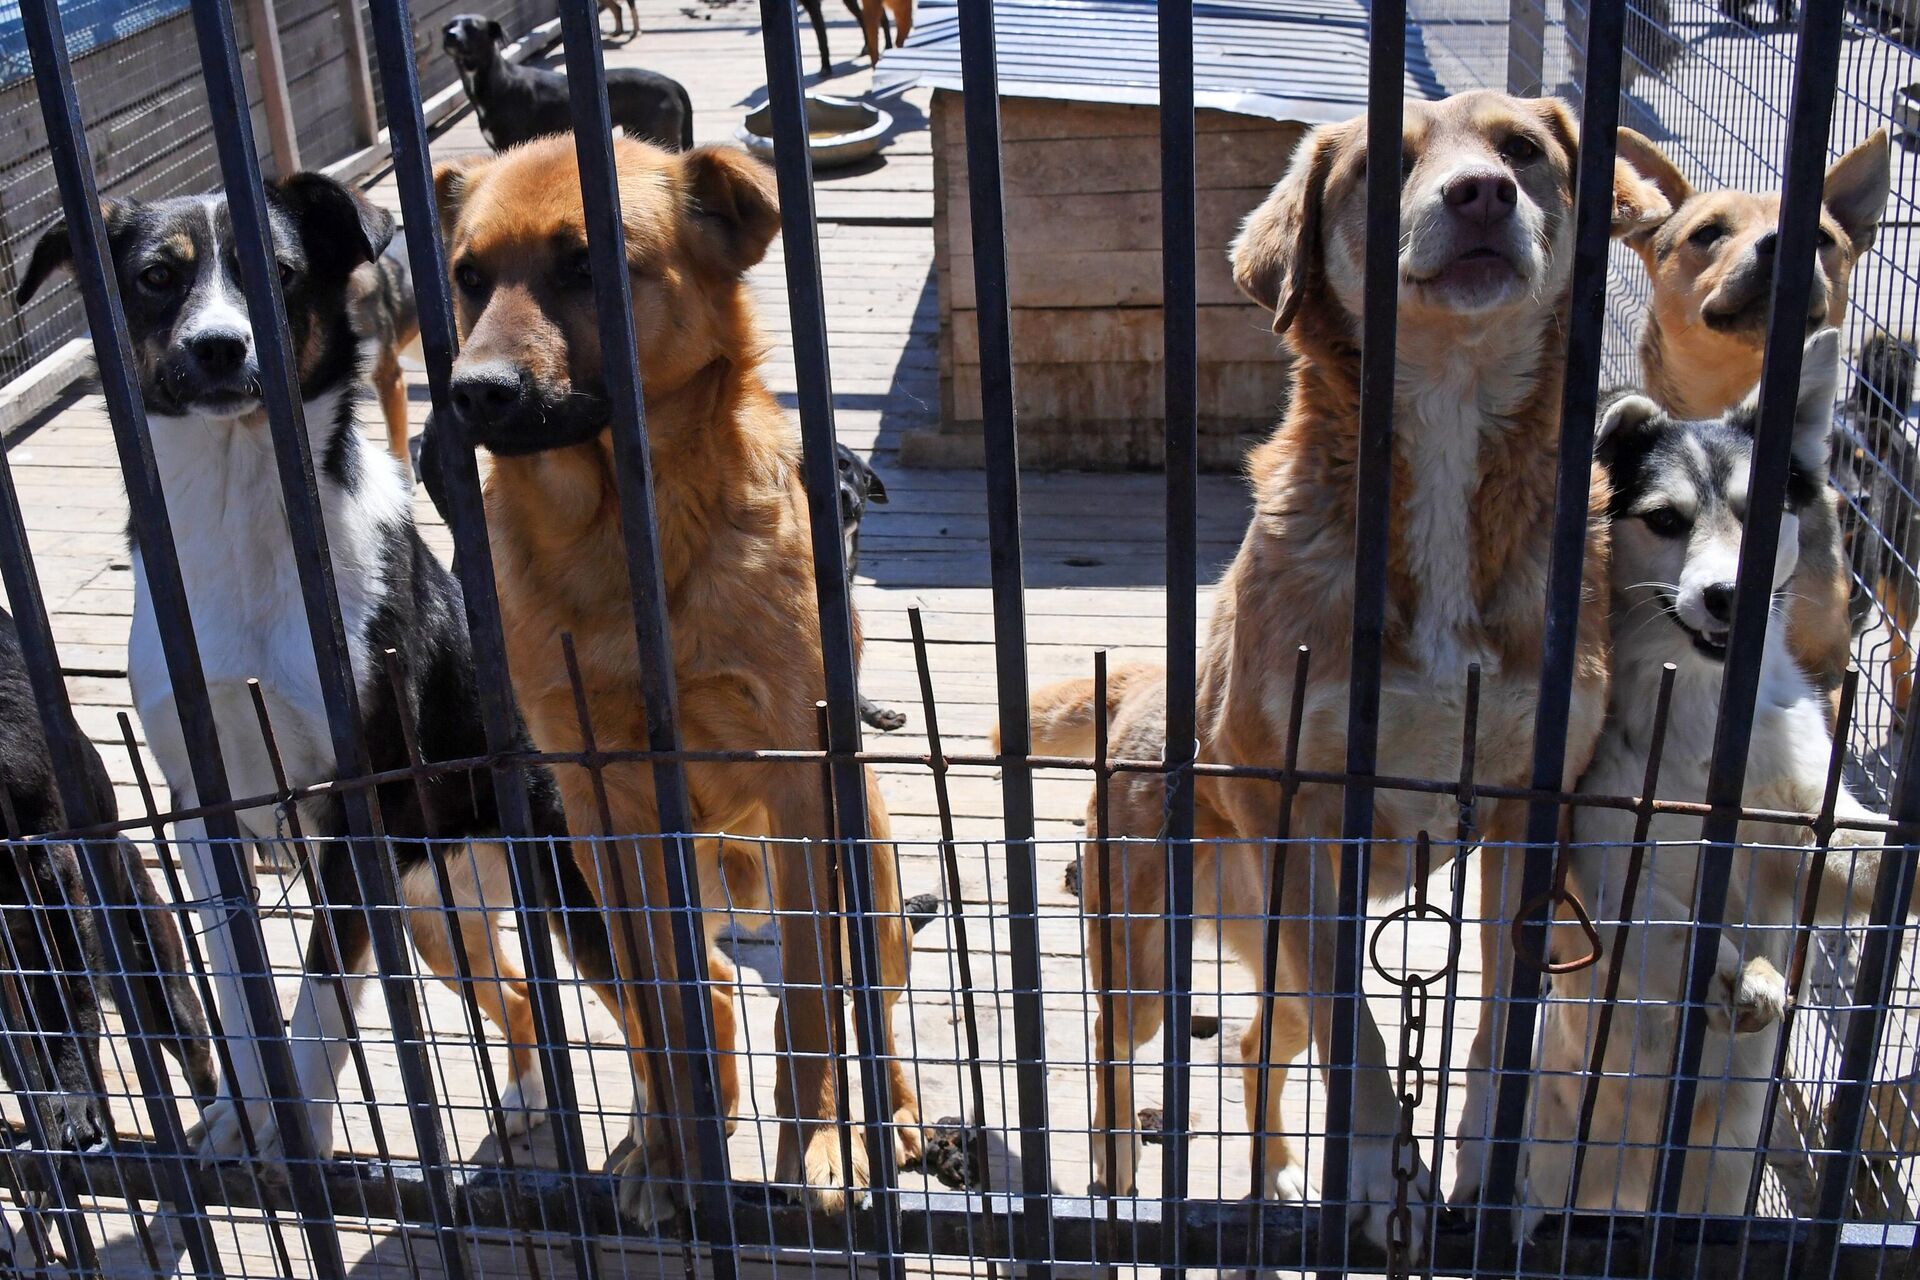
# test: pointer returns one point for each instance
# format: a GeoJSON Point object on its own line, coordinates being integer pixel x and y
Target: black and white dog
{"type": "Point", "coordinates": [53, 949]}
{"type": "Point", "coordinates": [200, 377]}
{"type": "Point", "coordinates": [518, 104]}
{"type": "Point", "coordinates": [1678, 507]}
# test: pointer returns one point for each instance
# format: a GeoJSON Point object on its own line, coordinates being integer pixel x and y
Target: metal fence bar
{"type": "Point", "coordinates": [981, 105]}
{"type": "Point", "coordinates": [1386, 63]}
{"type": "Point", "coordinates": [153, 540]}
{"type": "Point", "coordinates": [372, 857]}
{"type": "Point", "coordinates": [1815, 78]}
{"type": "Point", "coordinates": [1579, 396]}
{"type": "Point", "coordinates": [473, 564]}
{"type": "Point", "coordinates": [1180, 318]}
{"type": "Point", "coordinates": [633, 473]}
{"type": "Point", "coordinates": [807, 308]}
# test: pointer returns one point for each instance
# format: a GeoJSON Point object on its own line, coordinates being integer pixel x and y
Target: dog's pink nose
{"type": "Point", "coordinates": [1484, 197]}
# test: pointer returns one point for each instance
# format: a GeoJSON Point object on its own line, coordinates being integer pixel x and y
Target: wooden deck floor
{"type": "Point", "coordinates": [1094, 573]}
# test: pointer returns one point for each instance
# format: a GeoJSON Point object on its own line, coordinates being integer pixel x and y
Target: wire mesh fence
{"type": "Point", "coordinates": [1596, 1030]}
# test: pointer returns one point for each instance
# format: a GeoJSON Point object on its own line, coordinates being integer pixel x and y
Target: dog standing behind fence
{"type": "Point", "coordinates": [200, 381]}
{"type": "Point", "coordinates": [738, 575]}
{"type": "Point", "coordinates": [1486, 257]}
{"type": "Point", "coordinates": [1678, 511]}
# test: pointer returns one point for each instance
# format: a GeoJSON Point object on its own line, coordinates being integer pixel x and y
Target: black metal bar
{"type": "Point", "coordinates": [633, 474]}
{"type": "Point", "coordinates": [280, 387]}
{"type": "Point", "coordinates": [1579, 396]}
{"type": "Point", "coordinates": [807, 309]}
{"type": "Point", "coordinates": [160, 566]}
{"type": "Point", "coordinates": [1815, 80]}
{"type": "Point", "coordinates": [981, 104]}
{"type": "Point", "coordinates": [473, 562]}
{"type": "Point", "coordinates": [1180, 320]}
{"type": "Point", "coordinates": [1386, 70]}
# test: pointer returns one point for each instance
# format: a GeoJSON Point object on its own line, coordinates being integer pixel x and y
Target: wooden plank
{"type": "Point", "coordinates": [264, 23]}
{"type": "Point", "coordinates": [1112, 220]}
{"type": "Point", "coordinates": [1087, 393]}
{"type": "Point", "coordinates": [1088, 277]}
{"type": "Point", "coordinates": [1116, 335]}
{"type": "Point", "coordinates": [1094, 165]}
{"type": "Point", "coordinates": [1029, 119]}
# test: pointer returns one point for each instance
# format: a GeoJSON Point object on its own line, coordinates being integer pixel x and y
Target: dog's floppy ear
{"type": "Point", "coordinates": [55, 250]}
{"type": "Point", "coordinates": [734, 208]}
{"type": "Point", "coordinates": [1638, 204]}
{"type": "Point", "coordinates": [1623, 415]}
{"type": "Point", "coordinates": [336, 222]}
{"type": "Point", "coordinates": [498, 32]}
{"type": "Point", "coordinates": [1278, 247]}
{"type": "Point", "coordinates": [1856, 189]}
{"type": "Point", "coordinates": [452, 180]}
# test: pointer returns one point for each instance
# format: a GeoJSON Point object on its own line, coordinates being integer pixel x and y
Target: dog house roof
{"type": "Point", "coordinates": [1290, 60]}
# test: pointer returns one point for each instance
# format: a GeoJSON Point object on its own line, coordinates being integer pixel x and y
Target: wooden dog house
{"type": "Point", "coordinates": [1080, 152]}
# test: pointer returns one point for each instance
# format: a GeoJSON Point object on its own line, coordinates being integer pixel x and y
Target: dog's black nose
{"type": "Point", "coordinates": [489, 393]}
{"type": "Point", "coordinates": [218, 354]}
{"type": "Point", "coordinates": [1485, 196]}
{"type": "Point", "coordinates": [1718, 598]}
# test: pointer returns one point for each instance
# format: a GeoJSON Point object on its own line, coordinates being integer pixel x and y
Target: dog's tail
{"type": "Point", "coordinates": [1064, 716]}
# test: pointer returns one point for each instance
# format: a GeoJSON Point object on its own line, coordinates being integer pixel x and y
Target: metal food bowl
{"type": "Point", "coordinates": [840, 131]}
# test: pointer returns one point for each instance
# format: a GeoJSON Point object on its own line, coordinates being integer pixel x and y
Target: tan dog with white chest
{"type": "Point", "coordinates": [1486, 257]}
{"type": "Point", "coordinates": [1700, 347]}
{"type": "Point", "coordinates": [738, 566]}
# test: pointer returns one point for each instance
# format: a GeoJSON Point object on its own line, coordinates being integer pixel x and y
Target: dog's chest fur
{"type": "Point", "coordinates": [237, 562]}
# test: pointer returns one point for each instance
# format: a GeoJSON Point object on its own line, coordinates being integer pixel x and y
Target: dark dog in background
{"type": "Point", "coordinates": [613, 7]}
{"type": "Point", "coordinates": [883, 26]}
{"type": "Point", "coordinates": [1879, 472]}
{"type": "Point", "coordinates": [53, 947]}
{"type": "Point", "coordinates": [518, 104]}
{"type": "Point", "coordinates": [860, 484]}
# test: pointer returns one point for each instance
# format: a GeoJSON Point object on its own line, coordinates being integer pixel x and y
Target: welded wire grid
{"type": "Point", "coordinates": [996, 1026]}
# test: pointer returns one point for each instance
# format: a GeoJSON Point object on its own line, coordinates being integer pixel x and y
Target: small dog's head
{"type": "Point", "coordinates": [529, 375]}
{"type": "Point", "coordinates": [1486, 212]}
{"type": "Point", "coordinates": [179, 274]}
{"type": "Point", "coordinates": [859, 485]}
{"type": "Point", "coordinates": [1711, 263]}
{"type": "Point", "coordinates": [472, 41]}
{"type": "Point", "coordinates": [1680, 501]}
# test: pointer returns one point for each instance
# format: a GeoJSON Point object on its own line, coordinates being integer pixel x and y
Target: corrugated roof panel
{"type": "Point", "coordinates": [1302, 60]}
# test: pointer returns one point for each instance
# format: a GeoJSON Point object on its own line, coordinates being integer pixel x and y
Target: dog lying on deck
{"type": "Point", "coordinates": [1711, 264]}
{"type": "Point", "coordinates": [1486, 256]}
{"type": "Point", "coordinates": [55, 963]}
{"type": "Point", "coordinates": [1678, 505]}
{"type": "Point", "coordinates": [738, 566]}
{"type": "Point", "coordinates": [517, 104]}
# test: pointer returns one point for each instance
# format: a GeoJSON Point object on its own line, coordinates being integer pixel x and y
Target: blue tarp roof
{"type": "Point", "coordinates": [1302, 60]}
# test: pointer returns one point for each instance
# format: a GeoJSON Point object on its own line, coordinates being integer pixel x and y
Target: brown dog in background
{"type": "Point", "coordinates": [738, 565]}
{"type": "Point", "coordinates": [1700, 348]}
{"type": "Point", "coordinates": [385, 317]}
{"type": "Point", "coordinates": [871, 21]}
{"type": "Point", "coordinates": [1486, 258]}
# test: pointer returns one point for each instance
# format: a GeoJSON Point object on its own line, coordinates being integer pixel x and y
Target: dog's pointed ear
{"type": "Point", "coordinates": [1620, 417]}
{"type": "Point", "coordinates": [1856, 189]}
{"type": "Point", "coordinates": [498, 32]}
{"type": "Point", "coordinates": [452, 182]}
{"type": "Point", "coordinates": [55, 251]}
{"type": "Point", "coordinates": [1813, 411]}
{"type": "Point", "coordinates": [734, 208]}
{"type": "Point", "coordinates": [335, 220]}
{"type": "Point", "coordinates": [876, 488]}
{"type": "Point", "coordinates": [1651, 164]}
{"type": "Point", "coordinates": [1278, 248]}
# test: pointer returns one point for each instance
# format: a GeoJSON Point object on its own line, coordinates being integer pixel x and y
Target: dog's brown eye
{"type": "Point", "coordinates": [1707, 235]}
{"type": "Point", "coordinates": [158, 276]}
{"type": "Point", "coordinates": [468, 277]}
{"type": "Point", "coordinates": [1665, 521]}
{"type": "Point", "coordinates": [1826, 239]}
{"type": "Point", "coordinates": [1520, 149]}
{"type": "Point", "coordinates": [287, 273]}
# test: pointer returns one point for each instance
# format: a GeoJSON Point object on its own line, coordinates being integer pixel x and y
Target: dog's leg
{"type": "Point", "coordinates": [902, 20]}
{"type": "Point", "coordinates": [171, 997]}
{"type": "Point", "coordinates": [478, 878]}
{"type": "Point", "coordinates": [1283, 1177]}
{"type": "Point", "coordinates": [1126, 961]}
{"type": "Point", "coordinates": [870, 17]}
{"type": "Point", "coordinates": [895, 956]}
{"type": "Point", "coordinates": [820, 35]}
{"type": "Point", "coordinates": [393, 402]}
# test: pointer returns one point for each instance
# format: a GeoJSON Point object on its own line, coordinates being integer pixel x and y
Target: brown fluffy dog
{"type": "Point", "coordinates": [734, 546]}
{"type": "Point", "coordinates": [1700, 349]}
{"type": "Point", "coordinates": [1486, 257]}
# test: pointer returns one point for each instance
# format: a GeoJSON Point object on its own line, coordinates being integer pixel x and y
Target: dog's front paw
{"type": "Point", "coordinates": [1854, 838]}
{"type": "Point", "coordinates": [1376, 1192]}
{"type": "Point", "coordinates": [810, 1168]}
{"type": "Point", "coordinates": [645, 1200]}
{"type": "Point", "coordinates": [909, 1137]}
{"type": "Point", "coordinates": [221, 1135]}
{"type": "Point", "coordinates": [523, 1104]}
{"type": "Point", "coordinates": [1749, 999]}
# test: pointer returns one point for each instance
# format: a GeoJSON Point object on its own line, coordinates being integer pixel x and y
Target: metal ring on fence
{"type": "Point", "coordinates": [1416, 911]}
{"type": "Point", "coordinates": [1557, 897]}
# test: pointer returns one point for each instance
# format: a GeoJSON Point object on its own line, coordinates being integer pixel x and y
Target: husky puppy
{"type": "Point", "coordinates": [1679, 499]}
